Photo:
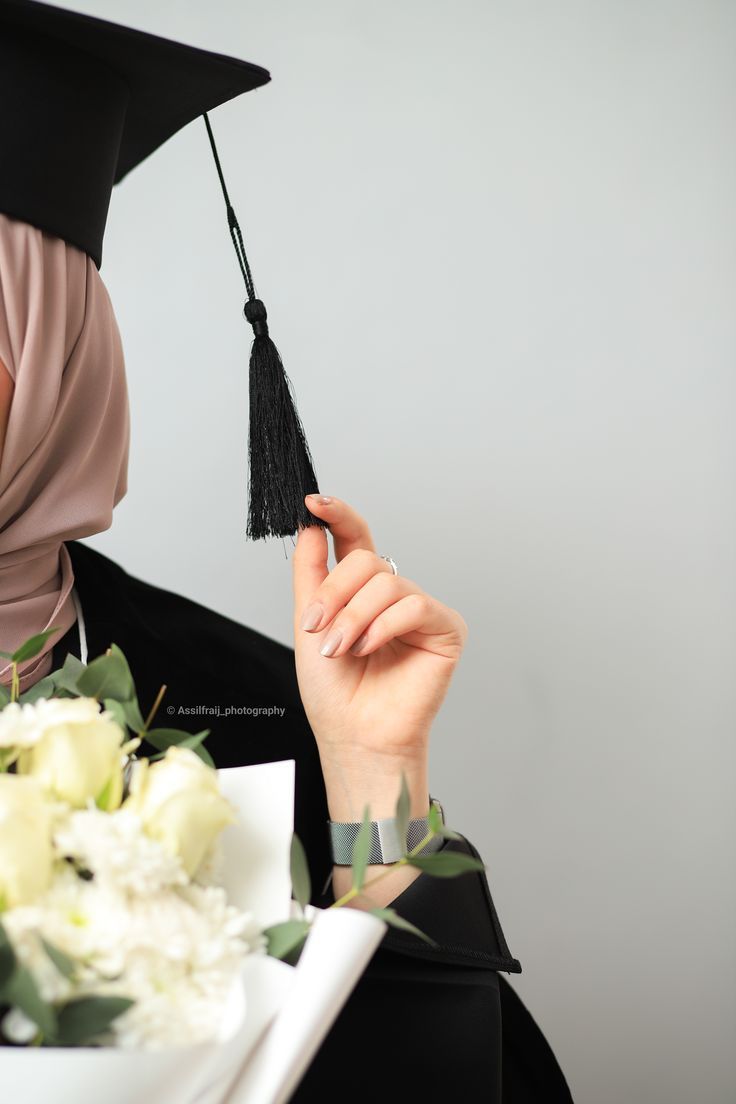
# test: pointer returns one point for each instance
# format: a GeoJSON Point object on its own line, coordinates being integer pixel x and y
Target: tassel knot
{"type": "Point", "coordinates": [256, 313]}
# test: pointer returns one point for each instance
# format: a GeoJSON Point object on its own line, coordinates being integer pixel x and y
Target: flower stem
{"type": "Point", "coordinates": [15, 684]}
{"type": "Point", "coordinates": [403, 861]}
{"type": "Point", "coordinates": [152, 713]}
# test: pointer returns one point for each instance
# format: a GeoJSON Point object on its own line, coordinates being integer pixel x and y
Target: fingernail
{"type": "Point", "coordinates": [359, 644]}
{"type": "Point", "coordinates": [312, 616]}
{"type": "Point", "coordinates": [324, 500]}
{"type": "Point", "coordinates": [332, 643]}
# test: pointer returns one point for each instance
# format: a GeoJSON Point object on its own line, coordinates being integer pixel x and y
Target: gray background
{"type": "Point", "coordinates": [496, 241]}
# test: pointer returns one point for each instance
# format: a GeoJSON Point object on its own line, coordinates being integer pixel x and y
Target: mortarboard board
{"type": "Point", "coordinates": [82, 102]}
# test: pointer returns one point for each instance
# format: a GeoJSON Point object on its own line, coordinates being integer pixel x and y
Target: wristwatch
{"type": "Point", "coordinates": [386, 847]}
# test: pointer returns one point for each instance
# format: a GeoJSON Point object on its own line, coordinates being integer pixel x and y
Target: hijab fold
{"type": "Point", "coordinates": [64, 463]}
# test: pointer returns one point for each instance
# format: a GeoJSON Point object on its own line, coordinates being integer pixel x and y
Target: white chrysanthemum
{"type": "Point", "coordinates": [83, 919]}
{"type": "Point", "coordinates": [116, 849]}
{"type": "Point", "coordinates": [175, 952]}
{"type": "Point", "coordinates": [19, 726]}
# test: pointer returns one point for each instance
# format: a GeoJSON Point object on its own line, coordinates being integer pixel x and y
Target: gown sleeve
{"type": "Point", "coordinates": [424, 1019]}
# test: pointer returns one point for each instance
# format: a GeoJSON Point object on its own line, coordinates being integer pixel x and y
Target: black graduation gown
{"type": "Point", "coordinates": [427, 1020]}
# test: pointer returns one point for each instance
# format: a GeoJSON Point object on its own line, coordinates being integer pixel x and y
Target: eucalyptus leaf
{"type": "Point", "coordinates": [163, 738]}
{"type": "Point", "coordinates": [21, 991]}
{"type": "Point", "coordinates": [204, 755]}
{"type": "Point", "coordinates": [361, 849]}
{"type": "Point", "coordinates": [108, 676]}
{"type": "Point", "coordinates": [300, 881]}
{"type": "Point", "coordinates": [32, 646]}
{"type": "Point", "coordinates": [70, 672]}
{"type": "Point", "coordinates": [440, 829]}
{"type": "Point", "coordinates": [285, 938]}
{"type": "Point", "coordinates": [395, 921]}
{"type": "Point", "coordinates": [446, 864]}
{"type": "Point", "coordinates": [402, 813]}
{"type": "Point", "coordinates": [7, 959]}
{"type": "Point", "coordinates": [116, 708]}
{"type": "Point", "coordinates": [66, 966]}
{"type": "Point", "coordinates": [80, 1021]}
{"type": "Point", "coordinates": [132, 712]}
{"type": "Point", "coordinates": [45, 688]}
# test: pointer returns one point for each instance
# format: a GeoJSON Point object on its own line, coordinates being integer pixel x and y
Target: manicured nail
{"type": "Point", "coordinates": [332, 643]}
{"type": "Point", "coordinates": [359, 644]}
{"type": "Point", "coordinates": [312, 616]}
{"type": "Point", "coordinates": [324, 500]}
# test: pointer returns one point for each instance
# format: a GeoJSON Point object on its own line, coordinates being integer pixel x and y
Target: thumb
{"type": "Point", "coordinates": [309, 564]}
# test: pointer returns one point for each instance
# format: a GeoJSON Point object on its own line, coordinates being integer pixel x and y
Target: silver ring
{"type": "Point", "coordinates": [391, 563]}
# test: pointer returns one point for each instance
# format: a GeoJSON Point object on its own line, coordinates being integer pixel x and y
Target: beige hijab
{"type": "Point", "coordinates": [65, 459]}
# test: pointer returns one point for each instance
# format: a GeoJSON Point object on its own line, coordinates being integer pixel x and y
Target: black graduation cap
{"type": "Point", "coordinates": [82, 102]}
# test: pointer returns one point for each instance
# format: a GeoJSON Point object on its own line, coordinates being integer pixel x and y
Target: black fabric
{"type": "Point", "coordinates": [436, 1019]}
{"type": "Point", "coordinates": [83, 101]}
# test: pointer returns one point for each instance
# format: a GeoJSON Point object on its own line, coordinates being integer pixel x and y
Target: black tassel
{"type": "Point", "coordinates": [281, 468]}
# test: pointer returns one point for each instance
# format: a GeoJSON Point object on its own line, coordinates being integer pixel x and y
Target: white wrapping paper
{"type": "Point", "coordinates": [277, 1015]}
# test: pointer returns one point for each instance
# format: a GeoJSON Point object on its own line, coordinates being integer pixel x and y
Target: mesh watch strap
{"type": "Point", "coordinates": [386, 846]}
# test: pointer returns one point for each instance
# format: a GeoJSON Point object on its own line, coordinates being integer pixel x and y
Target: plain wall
{"type": "Point", "coordinates": [496, 241]}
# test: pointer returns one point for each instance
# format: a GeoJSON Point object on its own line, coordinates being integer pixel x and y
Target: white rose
{"type": "Point", "coordinates": [25, 841]}
{"type": "Point", "coordinates": [180, 804]}
{"type": "Point", "coordinates": [77, 753]}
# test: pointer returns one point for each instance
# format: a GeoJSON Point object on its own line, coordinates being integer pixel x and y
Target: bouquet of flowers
{"type": "Point", "coordinates": [147, 934]}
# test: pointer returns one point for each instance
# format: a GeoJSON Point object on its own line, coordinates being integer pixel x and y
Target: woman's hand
{"type": "Point", "coordinates": [374, 658]}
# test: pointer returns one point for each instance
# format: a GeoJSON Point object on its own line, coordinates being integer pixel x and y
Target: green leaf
{"type": "Point", "coordinates": [435, 820]}
{"type": "Point", "coordinates": [70, 672]}
{"type": "Point", "coordinates": [440, 829]}
{"type": "Point", "coordinates": [286, 938]}
{"type": "Point", "coordinates": [63, 963]}
{"type": "Point", "coordinates": [361, 848]}
{"type": "Point", "coordinates": [32, 646]}
{"type": "Point", "coordinates": [402, 813]}
{"type": "Point", "coordinates": [6, 655]}
{"type": "Point", "coordinates": [45, 688]}
{"type": "Point", "coordinates": [300, 881]}
{"type": "Point", "coordinates": [4, 696]}
{"type": "Point", "coordinates": [391, 917]}
{"type": "Point", "coordinates": [447, 833]}
{"type": "Point", "coordinates": [108, 676]}
{"type": "Point", "coordinates": [8, 960]}
{"type": "Point", "coordinates": [204, 755]}
{"type": "Point", "coordinates": [163, 738]}
{"type": "Point", "coordinates": [132, 713]}
{"type": "Point", "coordinates": [21, 991]}
{"type": "Point", "coordinates": [116, 708]}
{"type": "Point", "coordinates": [80, 1021]}
{"type": "Point", "coordinates": [446, 864]}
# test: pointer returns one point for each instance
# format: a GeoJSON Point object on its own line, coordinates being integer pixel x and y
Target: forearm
{"type": "Point", "coordinates": [375, 782]}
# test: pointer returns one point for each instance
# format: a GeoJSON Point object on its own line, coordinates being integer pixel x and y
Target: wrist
{"type": "Point", "coordinates": [353, 782]}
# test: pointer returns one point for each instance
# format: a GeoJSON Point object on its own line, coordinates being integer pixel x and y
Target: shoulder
{"type": "Point", "coordinates": [167, 622]}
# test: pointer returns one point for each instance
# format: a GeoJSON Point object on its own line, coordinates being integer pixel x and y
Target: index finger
{"type": "Point", "coordinates": [349, 530]}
